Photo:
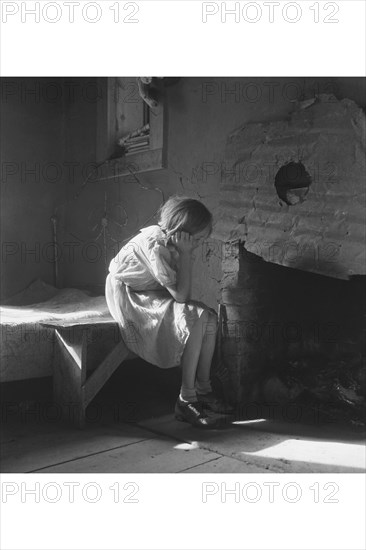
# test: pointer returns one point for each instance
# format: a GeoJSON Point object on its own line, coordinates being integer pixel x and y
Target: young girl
{"type": "Point", "coordinates": [148, 292]}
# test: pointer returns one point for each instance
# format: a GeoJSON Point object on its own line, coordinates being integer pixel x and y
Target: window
{"type": "Point", "coordinates": [123, 115]}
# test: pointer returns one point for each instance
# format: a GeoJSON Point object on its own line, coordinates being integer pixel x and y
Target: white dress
{"type": "Point", "coordinates": [153, 325]}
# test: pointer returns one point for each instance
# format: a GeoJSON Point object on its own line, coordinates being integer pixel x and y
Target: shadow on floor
{"type": "Point", "coordinates": [130, 427]}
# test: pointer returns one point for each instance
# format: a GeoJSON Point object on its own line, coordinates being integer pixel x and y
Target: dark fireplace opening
{"type": "Point", "coordinates": [291, 336]}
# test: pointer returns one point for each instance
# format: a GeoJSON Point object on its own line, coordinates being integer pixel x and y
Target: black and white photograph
{"type": "Point", "coordinates": [182, 283]}
{"type": "Point", "coordinates": [183, 274]}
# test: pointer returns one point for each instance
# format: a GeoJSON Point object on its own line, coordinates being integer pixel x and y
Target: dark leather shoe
{"type": "Point", "coordinates": [210, 402]}
{"type": "Point", "coordinates": [194, 414]}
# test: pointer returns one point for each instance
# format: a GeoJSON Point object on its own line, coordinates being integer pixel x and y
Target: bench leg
{"type": "Point", "coordinates": [104, 371]}
{"type": "Point", "coordinates": [70, 374]}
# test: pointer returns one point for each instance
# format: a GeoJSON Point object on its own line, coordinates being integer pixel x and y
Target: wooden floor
{"type": "Point", "coordinates": [131, 428]}
{"type": "Point", "coordinates": [166, 447]}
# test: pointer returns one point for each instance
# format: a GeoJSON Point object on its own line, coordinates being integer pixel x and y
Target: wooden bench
{"type": "Point", "coordinates": [73, 390]}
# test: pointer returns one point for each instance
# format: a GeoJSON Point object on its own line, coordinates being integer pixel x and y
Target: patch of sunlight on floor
{"type": "Point", "coordinates": [324, 452]}
{"type": "Point", "coordinates": [187, 446]}
{"type": "Point", "coordinates": [243, 422]}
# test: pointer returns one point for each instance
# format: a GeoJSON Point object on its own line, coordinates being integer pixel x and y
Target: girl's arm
{"type": "Point", "coordinates": [184, 244]}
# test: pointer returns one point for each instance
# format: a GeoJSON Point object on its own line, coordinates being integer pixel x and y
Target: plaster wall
{"type": "Point", "coordinates": [32, 178]}
{"type": "Point", "coordinates": [202, 112]}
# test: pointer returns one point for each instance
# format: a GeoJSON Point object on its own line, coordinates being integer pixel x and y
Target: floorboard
{"type": "Point", "coordinates": [153, 456]}
{"type": "Point", "coordinates": [35, 451]}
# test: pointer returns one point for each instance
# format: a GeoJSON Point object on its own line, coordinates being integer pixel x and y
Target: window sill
{"type": "Point", "coordinates": [135, 163]}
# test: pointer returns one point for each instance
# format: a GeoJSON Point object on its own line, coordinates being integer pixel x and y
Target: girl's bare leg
{"type": "Point", "coordinates": [192, 352]}
{"type": "Point", "coordinates": [198, 352]}
{"type": "Point", "coordinates": [207, 350]}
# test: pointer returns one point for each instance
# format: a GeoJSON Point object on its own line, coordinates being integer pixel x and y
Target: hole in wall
{"type": "Point", "coordinates": [292, 183]}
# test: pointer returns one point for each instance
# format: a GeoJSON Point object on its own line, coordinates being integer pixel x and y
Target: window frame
{"type": "Point", "coordinates": [153, 158]}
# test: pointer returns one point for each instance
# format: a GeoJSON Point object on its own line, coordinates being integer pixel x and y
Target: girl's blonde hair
{"type": "Point", "coordinates": [184, 214]}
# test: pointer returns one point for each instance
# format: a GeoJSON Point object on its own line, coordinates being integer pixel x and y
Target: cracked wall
{"type": "Point", "coordinates": [202, 113]}
{"type": "Point", "coordinates": [321, 229]}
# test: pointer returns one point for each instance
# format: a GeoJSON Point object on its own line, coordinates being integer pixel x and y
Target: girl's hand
{"type": "Point", "coordinates": [183, 241]}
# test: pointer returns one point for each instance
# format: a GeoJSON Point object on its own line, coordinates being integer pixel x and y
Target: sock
{"type": "Point", "coordinates": [203, 386]}
{"type": "Point", "coordinates": [188, 394]}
